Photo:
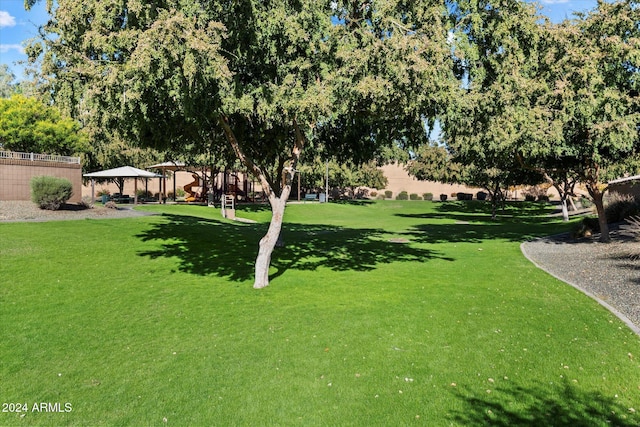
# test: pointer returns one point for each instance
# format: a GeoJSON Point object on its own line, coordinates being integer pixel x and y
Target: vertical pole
{"type": "Point", "coordinates": [326, 193]}
{"type": "Point", "coordinates": [299, 173]}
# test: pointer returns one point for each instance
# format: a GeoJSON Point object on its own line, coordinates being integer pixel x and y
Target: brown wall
{"type": "Point", "coordinates": [626, 188]}
{"type": "Point", "coordinates": [15, 177]}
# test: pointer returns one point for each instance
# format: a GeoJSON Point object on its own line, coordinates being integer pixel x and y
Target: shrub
{"type": "Point", "coordinates": [586, 202]}
{"type": "Point", "coordinates": [427, 196]}
{"type": "Point", "coordinates": [403, 195]}
{"type": "Point", "coordinates": [49, 192]}
{"type": "Point", "coordinates": [414, 196]}
{"type": "Point", "coordinates": [380, 197]}
{"type": "Point", "coordinates": [443, 197]}
{"type": "Point", "coordinates": [373, 194]}
{"type": "Point", "coordinates": [632, 227]}
{"type": "Point", "coordinates": [536, 192]}
{"type": "Point", "coordinates": [620, 206]}
{"type": "Point", "coordinates": [464, 196]}
{"type": "Point", "coordinates": [388, 194]}
{"type": "Point", "coordinates": [111, 205]}
{"type": "Point", "coordinates": [103, 191]}
{"type": "Point", "coordinates": [86, 202]}
{"type": "Point", "coordinates": [481, 195]}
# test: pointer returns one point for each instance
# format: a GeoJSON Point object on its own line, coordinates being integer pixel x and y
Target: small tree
{"type": "Point", "coordinates": [29, 125]}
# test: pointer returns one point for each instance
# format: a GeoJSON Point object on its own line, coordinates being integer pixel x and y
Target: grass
{"type": "Point", "coordinates": [153, 321]}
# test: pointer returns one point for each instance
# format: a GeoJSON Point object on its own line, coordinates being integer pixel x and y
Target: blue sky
{"type": "Point", "coordinates": [18, 25]}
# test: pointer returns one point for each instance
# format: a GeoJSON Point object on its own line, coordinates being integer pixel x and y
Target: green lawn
{"type": "Point", "coordinates": [153, 321]}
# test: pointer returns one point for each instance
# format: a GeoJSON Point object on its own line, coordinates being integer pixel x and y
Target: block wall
{"type": "Point", "coordinates": [15, 177]}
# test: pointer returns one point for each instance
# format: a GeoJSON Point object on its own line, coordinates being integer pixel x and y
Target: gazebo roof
{"type": "Point", "coordinates": [171, 166]}
{"type": "Point", "coordinates": [122, 172]}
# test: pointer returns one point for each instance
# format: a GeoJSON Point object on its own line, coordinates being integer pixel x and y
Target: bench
{"type": "Point", "coordinates": [121, 198]}
{"type": "Point", "coordinates": [310, 197]}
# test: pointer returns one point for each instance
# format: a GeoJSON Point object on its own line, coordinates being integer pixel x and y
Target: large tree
{"type": "Point", "coordinates": [592, 105]}
{"type": "Point", "coordinates": [272, 77]}
{"type": "Point", "coordinates": [493, 43]}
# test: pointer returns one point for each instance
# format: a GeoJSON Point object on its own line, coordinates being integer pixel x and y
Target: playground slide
{"type": "Point", "coordinates": [188, 188]}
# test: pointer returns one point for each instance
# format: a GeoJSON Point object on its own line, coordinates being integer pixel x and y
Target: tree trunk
{"type": "Point", "coordinates": [278, 202]}
{"type": "Point", "coordinates": [564, 193]}
{"type": "Point", "coordinates": [565, 209]}
{"type": "Point", "coordinates": [597, 197]}
{"type": "Point", "coordinates": [268, 242]}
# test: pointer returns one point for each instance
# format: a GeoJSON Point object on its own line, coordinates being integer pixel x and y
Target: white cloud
{"type": "Point", "coordinates": [6, 20]}
{"type": "Point", "coordinates": [4, 48]}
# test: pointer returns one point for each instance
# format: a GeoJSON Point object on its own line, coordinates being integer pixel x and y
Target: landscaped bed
{"type": "Point", "coordinates": [387, 313]}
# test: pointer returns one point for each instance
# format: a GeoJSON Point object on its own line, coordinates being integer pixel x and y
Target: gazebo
{"type": "Point", "coordinates": [168, 166]}
{"type": "Point", "coordinates": [123, 172]}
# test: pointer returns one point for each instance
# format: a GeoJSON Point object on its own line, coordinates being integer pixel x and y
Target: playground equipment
{"type": "Point", "coordinates": [193, 195]}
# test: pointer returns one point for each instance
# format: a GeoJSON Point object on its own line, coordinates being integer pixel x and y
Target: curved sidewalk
{"type": "Point", "coordinates": [603, 271]}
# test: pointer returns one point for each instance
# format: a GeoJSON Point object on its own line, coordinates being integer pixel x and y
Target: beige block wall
{"type": "Point", "coordinates": [15, 177]}
{"type": "Point", "coordinates": [399, 180]}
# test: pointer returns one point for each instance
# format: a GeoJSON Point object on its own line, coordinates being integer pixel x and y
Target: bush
{"type": "Point", "coordinates": [414, 196]}
{"type": "Point", "coordinates": [427, 196]}
{"type": "Point", "coordinates": [49, 192]}
{"type": "Point", "coordinates": [481, 195]}
{"type": "Point", "coordinates": [403, 195]}
{"type": "Point", "coordinates": [388, 194]}
{"type": "Point", "coordinates": [111, 205]}
{"type": "Point", "coordinates": [443, 197]}
{"type": "Point", "coordinates": [103, 191]}
{"type": "Point", "coordinates": [620, 206]}
{"type": "Point", "coordinates": [373, 194]}
{"type": "Point", "coordinates": [585, 202]}
{"type": "Point", "coordinates": [86, 202]}
{"type": "Point", "coordinates": [464, 196]}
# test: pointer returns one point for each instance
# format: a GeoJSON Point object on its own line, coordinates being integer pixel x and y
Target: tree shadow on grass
{"type": "Point", "coordinates": [561, 405]}
{"type": "Point", "coordinates": [470, 231]}
{"type": "Point", "coordinates": [473, 223]}
{"type": "Point", "coordinates": [208, 246]}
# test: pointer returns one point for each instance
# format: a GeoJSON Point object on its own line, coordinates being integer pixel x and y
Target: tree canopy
{"type": "Point", "coordinates": [590, 109]}
{"type": "Point", "coordinates": [27, 125]}
{"type": "Point", "coordinates": [267, 78]}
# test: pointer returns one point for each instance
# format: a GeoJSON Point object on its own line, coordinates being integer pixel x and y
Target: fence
{"type": "Point", "coordinates": [34, 157]}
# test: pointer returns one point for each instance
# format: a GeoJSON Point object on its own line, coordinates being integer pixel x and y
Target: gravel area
{"type": "Point", "coordinates": [607, 272]}
{"type": "Point", "coordinates": [13, 211]}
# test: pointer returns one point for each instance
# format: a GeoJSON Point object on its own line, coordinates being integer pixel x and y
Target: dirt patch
{"type": "Point", "coordinates": [18, 211]}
